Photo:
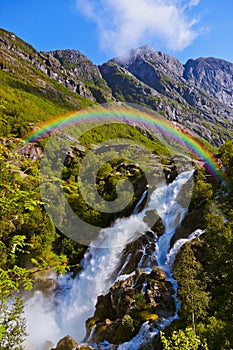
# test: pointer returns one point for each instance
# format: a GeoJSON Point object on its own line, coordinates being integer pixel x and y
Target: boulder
{"type": "Point", "coordinates": [68, 343]}
{"type": "Point", "coordinates": [190, 224]}
{"type": "Point", "coordinates": [140, 252]}
{"type": "Point", "coordinates": [121, 312]}
{"type": "Point", "coordinates": [157, 274]}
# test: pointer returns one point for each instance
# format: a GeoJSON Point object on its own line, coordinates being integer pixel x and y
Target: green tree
{"type": "Point", "coordinates": [182, 340]}
{"type": "Point", "coordinates": [26, 241]}
{"type": "Point", "coordinates": [192, 292]}
{"type": "Point", "coordinates": [203, 189]}
{"type": "Point", "coordinates": [13, 325]}
{"type": "Point", "coordinates": [219, 261]}
{"type": "Point", "coordinates": [216, 332]}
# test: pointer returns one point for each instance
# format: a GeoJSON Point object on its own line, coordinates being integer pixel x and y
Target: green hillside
{"type": "Point", "coordinates": [27, 95]}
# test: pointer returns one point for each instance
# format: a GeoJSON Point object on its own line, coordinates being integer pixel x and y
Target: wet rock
{"type": "Point", "coordinates": [68, 343]}
{"type": "Point", "coordinates": [189, 224]}
{"type": "Point", "coordinates": [139, 298]}
{"type": "Point", "coordinates": [153, 220]}
{"type": "Point", "coordinates": [141, 252]}
{"type": "Point", "coordinates": [170, 173]}
{"type": "Point", "coordinates": [157, 274]}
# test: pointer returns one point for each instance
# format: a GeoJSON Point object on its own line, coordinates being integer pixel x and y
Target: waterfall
{"type": "Point", "coordinates": [140, 202]}
{"type": "Point", "coordinates": [96, 277]}
{"type": "Point", "coordinates": [66, 312]}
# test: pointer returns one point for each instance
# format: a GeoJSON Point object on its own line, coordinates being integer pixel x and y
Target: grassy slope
{"type": "Point", "coordinates": [27, 95]}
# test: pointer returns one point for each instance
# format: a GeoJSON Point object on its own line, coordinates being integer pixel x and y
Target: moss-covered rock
{"type": "Point", "coordinates": [139, 298]}
{"type": "Point", "coordinates": [67, 343]}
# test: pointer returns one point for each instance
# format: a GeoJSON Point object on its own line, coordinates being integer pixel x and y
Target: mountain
{"type": "Point", "coordinates": [191, 94]}
{"type": "Point", "coordinates": [197, 95]}
{"type": "Point", "coordinates": [212, 75]}
{"type": "Point", "coordinates": [35, 86]}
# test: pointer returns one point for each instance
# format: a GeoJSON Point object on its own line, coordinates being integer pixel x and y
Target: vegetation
{"type": "Point", "coordinates": [183, 340]}
{"type": "Point", "coordinates": [13, 327]}
{"type": "Point", "coordinates": [28, 241]}
{"type": "Point", "coordinates": [24, 104]}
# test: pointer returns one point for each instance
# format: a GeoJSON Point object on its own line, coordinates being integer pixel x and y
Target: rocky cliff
{"type": "Point", "coordinates": [69, 68]}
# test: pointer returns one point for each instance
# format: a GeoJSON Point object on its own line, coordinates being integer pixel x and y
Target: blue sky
{"type": "Point", "coordinates": [102, 29]}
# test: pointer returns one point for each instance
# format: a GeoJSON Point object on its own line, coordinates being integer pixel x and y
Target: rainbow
{"type": "Point", "coordinates": [132, 116]}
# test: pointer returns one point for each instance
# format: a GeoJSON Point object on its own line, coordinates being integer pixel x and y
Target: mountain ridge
{"type": "Point", "coordinates": [198, 95]}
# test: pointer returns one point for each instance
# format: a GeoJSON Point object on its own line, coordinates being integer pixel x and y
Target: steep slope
{"type": "Point", "coordinates": [27, 93]}
{"type": "Point", "coordinates": [213, 75]}
{"type": "Point", "coordinates": [183, 99]}
{"type": "Point", "coordinates": [78, 73]}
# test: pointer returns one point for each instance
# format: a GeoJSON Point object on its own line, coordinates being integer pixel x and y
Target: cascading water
{"type": "Point", "coordinates": [96, 277]}
{"type": "Point", "coordinates": [66, 312]}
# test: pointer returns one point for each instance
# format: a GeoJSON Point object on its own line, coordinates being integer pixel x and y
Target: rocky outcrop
{"type": "Point", "coordinates": [190, 224]}
{"type": "Point", "coordinates": [144, 60]}
{"type": "Point", "coordinates": [30, 151]}
{"type": "Point", "coordinates": [75, 71]}
{"type": "Point", "coordinates": [75, 62]}
{"type": "Point", "coordinates": [68, 343]}
{"type": "Point", "coordinates": [140, 253]}
{"type": "Point", "coordinates": [69, 68]}
{"type": "Point", "coordinates": [131, 302]}
{"type": "Point", "coordinates": [213, 75]}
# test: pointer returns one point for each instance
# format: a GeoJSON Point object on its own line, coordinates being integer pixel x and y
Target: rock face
{"type": "Point", "coordinates": [129, 303]}
{"type": "Point", "coordinates": [213, 75]}
{"type": "Point", "coordinates": [66, 343]}
{"type": "Point", "coordinates": [68, 67]}
{"type": "Point", "coordinates": [74, 61]}
{"type": "Point", "coordinates": [149, 65]}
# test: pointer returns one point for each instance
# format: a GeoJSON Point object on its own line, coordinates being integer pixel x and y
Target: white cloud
{"type": "Point", "coordinates": [124, 24]}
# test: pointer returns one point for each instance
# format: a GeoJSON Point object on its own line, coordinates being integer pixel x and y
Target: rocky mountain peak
{"type": "Point", "coordinates": [76, 62]}
{"type": "Point", "coordinates": [159, 59]}
{"type": "Point", "coordinates": [213, 75]}
{"type": "Point", "coordinates": [150, 67]}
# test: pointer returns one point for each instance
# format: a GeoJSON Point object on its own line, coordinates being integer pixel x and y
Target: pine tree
{"type": "Point", "coordinates": [192, 292]}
